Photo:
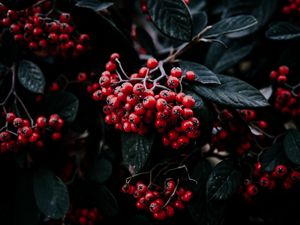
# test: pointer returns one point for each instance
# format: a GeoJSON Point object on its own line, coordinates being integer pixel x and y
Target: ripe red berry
{"type": "Point", "coordinates": [190, 75]}
{"type": "Point", "coordinates": [176, 72]}
{"type": "Point", "coordinates": [111, 66]}
{"type": "Point", "coordinates": [10, 117]}
{"type": "Point", "coordinates": [154, 207]}
{"type": "Point", "coordinates": [65, 17]}
{"type": "Point", "coordinates": [264, 181]}
{"type": "Point", "coordinates": [295, 176]}
{"type": "Point", "coordinates": [284, 70]}
{"type": "Point", "coordinates": [18, 122]}
{"type": "Point", "coordinates": [81, 77]}
{"type": "Point", "coordinates": [149, 102]}
{"type": "Point", "coordinates": [169, 211]}
{"type": "Point", "coordinates": [56, 136]}
{"type": "Point", "coordinates": [114, 56]}
{"type": "Point", "coordinates": [262, 124]}
{"type": "Point", "coordinates": [252, 190]}
{"type": "Point", "coordinates": [143, 72]}
{"type": "Point", "coordinates": [161, 104]}
{"type": "Point", "coordinates": [281, 79]}
{"type": "Point", "coordinates": [188, 101]}
{"type": "Point", "coordinates": [178, 205]}
{"type": "Point", "coordinates": [127, 88]}
{"type": "Point", "coordinates": [160, 215]}
{"type": "Point", "coordinates": [187, 196]}
{"type": "Point", "coordinates": [280, 170]}
{"type": "Point", "coordinates": [34, 137]}
{"type": "Point", "coordinates": [173, 82]}
{"type": "Point", "coordinates": [152, 63]}
{"type": "Point", "coordinates": [139, 89]}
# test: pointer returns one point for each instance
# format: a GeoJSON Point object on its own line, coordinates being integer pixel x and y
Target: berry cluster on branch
{"type": "Point", "coordinates": [149, 98]}
{"type": "Point", "coordinates": [45, 30]}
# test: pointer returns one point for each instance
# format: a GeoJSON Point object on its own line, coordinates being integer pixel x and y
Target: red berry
{"type": "Point", "coordinates": [262, 124]}
{"type": "Point", "coordinates": [264, 181]}
{"type": "Point", "coordinates": [169, 211]}
{"type": "Point", "coordinates": [114, 56]}
{"type": "Point", "coordinates": [34, 137]}
{"type": "Point", "coordinates": [187, 196]}
{"type": "Point", "coordinates": [81, 77]}
{"type": "Point", "coordinates": [97, 95]}
{"type": "Point", "coordinates": [190, 75]}
{"type": "Point", "coordinates": [160, 215]}
{"type": "Point", "coordinates": [41, 122]}
{"type": "Point", "coordinates": [280, 171]}
{"type": "Point", "coordinates": [139, 89]}
{"type": "Point", "coordinates": [295, 176]}
{"type": "Point", "coordinates": [284, 70]}
{"type": "Point", "coordinates": [161, 104]}
{"type": "Point", "coordinates": [188, 101]}
{"type": "Point", "coordinates": [281, 79]}
{"type": "Point", "coordinates": [149, 102]}
{"type": "Point", "coordinates": [176, 72]}
{"type": "Point", "coordinates": [18, 122]}
{"type": "Point", "coordinates": [65, 17]}
{"type": "Point", "coordinates": [178, 205]}
{"type": "Point", "coordinates": [173, 82]}
{"type": "Point", "coordinates": [187, 125]}
{"type": "Point", "coordinates": [252, 190]}
{"type": "Point", "coordinates": [143, 72]}
{"type": "Point", "coordinates": [56, 136]}
{"type": "Point", "coordinates": [154, 207]}
{"type": "Point", "coordinates": [273, 75]}
{"type": "Point", "coordinates": [152, 63]}
{"type": "Point", "coordinates": [110, 66]}
{"type": "Point", "coordinates": [127, 88]}
{"type": "Point", "coordinates": [10, 117]}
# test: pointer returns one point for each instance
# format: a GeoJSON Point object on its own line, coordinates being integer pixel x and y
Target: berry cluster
{"type": "Point", "coordinates": [42, 34]}
{"type": "Point", "coordinates": [293, 8]}
{"type": "Point", "coordinates": [140, 101]}
{"type": "Point", "coordinates": [83, 216]}
{"type": "Point", "coordinates": [230, 135]}
{"type": "Point", "coordinates": [18, 132]}
{"type": "Point", "coordinates": [281, 175]}
{"type": "Point", "coordinates": [286, 98]}
{"type": "Point", "coordinates": [163, 204]}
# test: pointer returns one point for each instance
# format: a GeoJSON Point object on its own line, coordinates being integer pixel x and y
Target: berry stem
{"type": "Point", "coordinates": [187, 46]}
{"type": "Point", "coordinates": [172, 195]}
{"type": "Point", "coordinates": [122, 70]}
{"type": "Point", "coordinates": [186, 170]}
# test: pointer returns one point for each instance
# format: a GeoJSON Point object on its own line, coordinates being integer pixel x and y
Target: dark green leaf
{"type": "Point", "coordinates": [95, 5]}
{"type": "Point", "coordinates": [224, 181]}
{"type": "Point", "coordinates": [171, 17]}
{"type": "Point", "coordinates": [203, 74]}
{"type": "Point", "coordinates": [100, 170]}
{"type": "Point", "coordinates": [199, 22]}
{"type": "Point", "coordinates": [220, 58]}
{"type": "Point", "coordinates": [232, 92]}
{"type": "Point", "coordinates": [271, 157]}
{"type": "Point", "coordinates": [291, 145]}
{"type": "Point", "coordinates": [283, 31]}
{"type": "Point", "coordinates": [63, 103]}
{"type": "Point", "coordinates": [51, 194]}
{"type": "Point", "coordinates": [262, 10]}
{"type": "Point", "coordinates": [136, 150]}
{"type": "Point", "coordinates": [202, 211]}
{"type": "Point", "coordinates": [25, 210]}
{"type": "Point", "coordinates": [231, 25]}
{"type": "Point", "coordinates": [31, 77]}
